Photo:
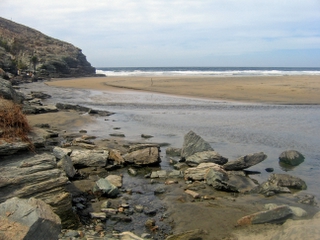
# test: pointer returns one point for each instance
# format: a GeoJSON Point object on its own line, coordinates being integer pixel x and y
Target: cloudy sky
{"type": "Point", "coordinates": [123, 33]}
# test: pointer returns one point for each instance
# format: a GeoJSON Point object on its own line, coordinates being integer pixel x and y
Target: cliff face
{"type": "Point", "coordinates": [25, 49]}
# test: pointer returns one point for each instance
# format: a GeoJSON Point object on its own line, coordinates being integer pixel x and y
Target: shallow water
{"type": "Point", "coordinates": [233, 129]}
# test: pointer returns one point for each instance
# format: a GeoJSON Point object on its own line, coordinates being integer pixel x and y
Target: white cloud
{"type": "Point", "coordinates": [155, 29]}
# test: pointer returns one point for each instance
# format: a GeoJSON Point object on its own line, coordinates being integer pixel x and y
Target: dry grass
{"type": "Point", "coordinates": [14, 125]}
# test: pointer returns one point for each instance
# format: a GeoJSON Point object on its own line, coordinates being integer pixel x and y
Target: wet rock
{"type": "Point", "coordinates": [291, 157]}
{"type": "Point", "coordinates": [307, 199]}
{"type": "Point", "coordinates": [174, 152]}
{"type": "Point", "coordinates": [219, 180]}
{"type": "Point", "coordinates": [98, 215]}
{"type": "Point", "coordinates": [180, 166]}
{"type": "Point", "coordinates": [146, 156]}
{"type": "Point", "coordinates": [296, 211]}
{"type": "Point", "coordinates": [28, 219]}
{"type": "Point", "coordinates": [146, 136]}
{"type": "Point", "coordinates": [175, 174]}
{"type": "Point", "coordinates": [89, 158]}
{"type": "Point", "coordinates": [117, 135]}
{"type": "Point", "coordinates": [150, 223]}
{"type": "Point", "coordinates": [64, 106]}
{"type": "Point", "coordinates": [150, 211]}
{"type": "Point", "coordinates": [106, 188]}
{"type": "Point", "coordinates": [66, 164]}
{"type": "Point", "coordinates": [9, 148]}
{"type": "Point", "coordinates": [159, 190]}
{"type": "Point", "coordinates": [242, 183]}
{"type": "Point", "coordinates": [159, 174]}
{"type": "Point", "coordinates": [132, 172]}
{"type": "Point", "coordinates": [204, 157]}
{"type": "Point", "coordinates": [115, 180]}
{"type": "Point", "coordinates": [138, 208]}
{"type": "Point", "coordinates": [276, 215]}
{"type": "Point", "coordinates": [269, 170]}
{"type": "Point", "coordinates": [198, 173]}
{"type": "Point", "coordinates": [192, 144]}
{"type": "Point", "coordinates": [245, 162]}
{"type": "Point", "coordinates": [286, 180]}
{"type": "Point", "coordinates": [40, 95]}
{"type": "Point", "coordinates": [268, 189]}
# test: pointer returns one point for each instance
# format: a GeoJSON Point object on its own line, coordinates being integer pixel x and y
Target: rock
{"type": "Point", "coordinates": [192, 144]}
{"type": "Point", "coordinates": [127, 236]}
{"type": "Point", "coordinates": [39, 177]}
{"type": "Point", "coordinates": [245, 161]}
{"type": "Point", "coordinates": [107, 188]}
{"type": "Point", "coordinates": [150, 223]}
{"type": "Point", "coordinates": [146, 136]}
{"type": "Point", "coordinates": [115, 180]}
{"type": "Point", "coordinates": [132, 172]}
{"type": "Point", "coordinates": [296, 211]}
{"type": "Point", "coordinates": [204, 157]}
{"type": "Point", "coordinates": [10, 148]}
{"type": "Point", "coordinates": [7, 91]}
{"type": "Point", "coordinates": [117, 135]}
{"type": "Point", "coordinates": [115, 155]}
{"type": "Point", "coordinates": [28, 219]}
{"type": "Point", "coordinates": [192, 234]}
{"type": "Point", "coordinates": [59, 152]}
{"type": "Point", "coordinates": [146, 156]}
{"type": "Point", "coordinates": [275, 215]}
{"type": "Point", "coordinates": [175, 174]}
{"type": "Point", "coordinates": [269, 189]}
{"type": "Point", "coordinates": [159, 190]}
{"type": "Point", "coordinates": [307, 199]}
{"type": "Point", "coordinates": [243, 184]}
{"type": "Point", "coordinates": [67, 166]}
{"type": "Point", "coordinates": [138, 208]}
{"type": "Point", "coordinates": [218, 179]}
{"type": "Point", "coordinates": [192, 193]}
{"type": "Point", "coordinates": [198, 173]}
{"type": "Point", "coordinates": [159, 174]}
{"type": "Point", "coordinates": [40, 95]}
{"type": "Point", "coordinates": [291, 157]}
{"type": "Point", "coordinates": [174, 152]}
{"type": "Point", "coordinates": [269, 170]}
{"type": "Point", "coordinates": [141, 146]}
{"type": "Point", "coordinates": [286, 180]}
{"type": "Point", "coordinates": [180, 166]}
{"type": "Point", "coordinates": [98, 215]}
{"type": "Point", "coordinates": [89, 158]}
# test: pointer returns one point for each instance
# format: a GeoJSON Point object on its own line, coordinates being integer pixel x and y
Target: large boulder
{"type": "Point", "coordinates": [245, 162]}
{"type": "Point", "coordinates": [145, 156]}
{"type": "Point", "coordinates": [89, 158]}
{"type": "Point", "coordinates": [38, 177]}
{"type": "Point", "coordinates": [205, 156]}
{"type": "Point", "coordinates": [28, 219]}
{"type": "Point", "coordinates": [286, 180]}
{"type": "Point", "coordinates": [291, 157]}
{"type": "Point", "coordinates": [7, 91]}
{"type": "Point", "coordinates": [192, 144]}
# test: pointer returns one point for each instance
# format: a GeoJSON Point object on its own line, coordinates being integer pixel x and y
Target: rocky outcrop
{"type": "Point", "coordinates": [7, 91]}
{"type": "Point", "coordinates": [192, 144]}
{"type": "Point", "coordinates": [28, 219]}
{"type": "Point", "coordinates": [28, 49]}
{"type": "Point", "coordinates": [291, 157]}
{"type": "Point", "coordinates": [245, 162]}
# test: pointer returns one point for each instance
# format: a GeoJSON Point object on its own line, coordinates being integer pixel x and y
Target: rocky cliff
{"type": "Point", "coordinates": [23, 49]}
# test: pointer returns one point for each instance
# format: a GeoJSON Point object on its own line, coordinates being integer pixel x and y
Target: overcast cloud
{"type": "Point", "coordinates": [179, 33]}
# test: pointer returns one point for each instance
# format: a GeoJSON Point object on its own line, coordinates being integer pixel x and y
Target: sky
{"type": "Point", "coordinates": [169, 33]}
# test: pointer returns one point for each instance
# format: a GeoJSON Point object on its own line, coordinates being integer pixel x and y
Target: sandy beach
{"type": "Point", "coordinates": [260, 89]}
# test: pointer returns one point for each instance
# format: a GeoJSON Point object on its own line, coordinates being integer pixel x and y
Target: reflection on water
{"type": "Point", "coordinates": [233, 129]}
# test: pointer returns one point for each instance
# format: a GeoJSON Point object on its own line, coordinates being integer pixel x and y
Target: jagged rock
{"type": "Point", "coordinates": [286, 180]}
{"type": "Point", "coordinates": [107, 188]}
{"type": "Point", "coordinates": [268, 189]}
{"type": "Point", "coordinates": [66, 164]}
{"type": "Point", "coordinates": [245, 162]}
{"type": "Point", "coordinates": [192, 144]}
{"type": "Point", "coordinates": [115, 180]}
{"type": "Point", "coordinates": [291, 157]}
{"type": "Point", "coordinates": [145, 156]}
{"type": "Point", "coordinates": [28, 219]}
{"type": "Point", "coordinates": [89, 158]}
{"type": "Point", "coordinates": [198, 173]}
{"type": "Point", "coordinates": [204, 157]}
{"type": "Point", "coordinates": [7, 91]}
{"type": "Point", "coordinates": [39, 177]}
{"type": "Point", "coordinates": [174, 152]}
{"type": "Point", "coordinates": [276, 215]}
{"type": "Point", "coordinates": [218, 179]}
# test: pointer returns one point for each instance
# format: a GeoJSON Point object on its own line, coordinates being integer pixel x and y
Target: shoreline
{"type": "Point", "coordinates": [284, 90]}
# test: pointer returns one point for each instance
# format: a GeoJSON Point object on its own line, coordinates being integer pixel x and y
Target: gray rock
{"type": "Point", "coordinates": [291, 157]}
{"type": "Point", "coordinates": [145, 156]}
{"type": "Point", "coordinates": [218, 179]}
{"type": "Point", "coordinates": [28, 219]}
{"type": "Point", "coordinates": [9, 148]}
{"type": "Point", "coordinates": [276, 215]}
{"type": "Point", "coordinates": [7, 91]}
{"type": "Point", "coordinates": [193, 143]}
{"type": "Point", "coordinates": [286, 180]}
{"type": "Point", "coordinates": [132, 172]}
{"type": "Point", "coordinates": [107, 188]}
{"type": "Point", "coordinates": [243, 184]}
{"type": "Point", "coordinates": [296, 211]}
{"type": "Point", "coordinates": [67, 166]}
{"type": "Point", "coordinates": [174, 152]}
{"type": "Point", "coordinates": [245, 161]}
{"type": "Point", "coordinates": [89, 158]}
{"type": "Point", "coordinates": [59, 152]}
{"type": "Point", "coordinates": [270, 189]}
{"type": "Point", "coordinates": [159, 174]}
{"type": "Point", "coordinates": [146, 136]}
{"type": "Point", "coordinates": [175, 174]}
{"type": "Point", "coordinates": [180, 166]}
{"type": "Point", "coordinates": [98, 215]}
{"type": "Point", "coordinates": [204, 157]}
{"type": "Point", "coordinates": [115, 180]}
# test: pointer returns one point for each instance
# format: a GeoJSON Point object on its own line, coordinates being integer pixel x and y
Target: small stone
{"type": "Point", "coordinates": [132, 172]}
{"type": "Point", "coordinates": [146, 136]}
{"type": "Point", "coordinates": [193, 193]}
{"type": "Point", "coordinates": [99, 215]}
{"type": "Point", "coordinates": [269, 169]}
{"type": "Point", "coordinates": [138, 208]}
{"type": "Point", "coordinates": [150, 223]}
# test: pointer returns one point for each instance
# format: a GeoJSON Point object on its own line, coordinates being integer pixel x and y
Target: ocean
{"type": "Point", "coordinates": [206, 71]}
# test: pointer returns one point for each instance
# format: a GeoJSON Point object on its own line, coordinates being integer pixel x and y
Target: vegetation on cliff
{"type": "Point", "coordinates": [23, 49]}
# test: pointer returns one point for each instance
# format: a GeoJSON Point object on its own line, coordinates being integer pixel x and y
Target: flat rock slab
{"type": "Point", "coordinates": [28, 219]}
{"type": "Point", "coordinates": [245, 162]}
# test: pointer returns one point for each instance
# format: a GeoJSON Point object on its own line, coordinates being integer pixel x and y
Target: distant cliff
{"type": "Point", "coordinates": [23, 49]}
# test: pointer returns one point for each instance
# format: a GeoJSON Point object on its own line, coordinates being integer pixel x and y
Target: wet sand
{"type": "Point", "coordinates": [260, 89]}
